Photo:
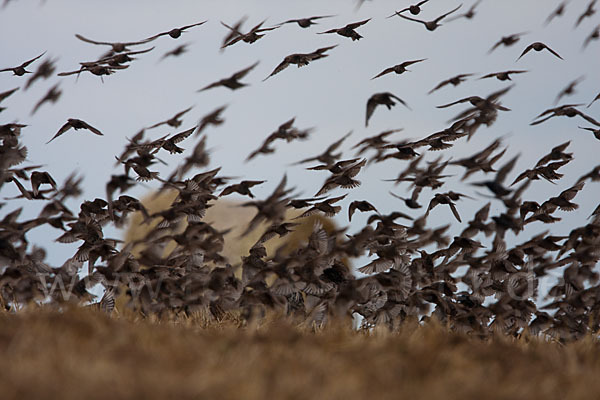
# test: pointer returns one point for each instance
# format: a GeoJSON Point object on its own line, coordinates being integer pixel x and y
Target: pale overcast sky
{"type": "Point", "coordinates": [329, 94]}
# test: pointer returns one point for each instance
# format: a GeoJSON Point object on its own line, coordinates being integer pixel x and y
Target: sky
{"type": "Point", "coordinates": [328, 95]}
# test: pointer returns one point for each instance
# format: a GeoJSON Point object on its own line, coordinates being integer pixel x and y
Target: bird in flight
{"type": "Point", "coordinates": [252, 36]}
{"type": "Point", "coordinates": [75, 124]}
{"type": "Point", "coordinates": [538, 46]}
{"type": "Point", "coordinates": [504, 75]}
{"type": "Point", "coordinates": [384, 98]}
{"type": "Point", "coordinates": [433, 24]}
{"type": "Point", "coordinates": [348, 30]}
{"type": "Point", "coordinates": [175, 32]}
{"type": "Point", "coordinates": [305, 22]}
{"type": "Point", "coordinates": [455, 81]}
{"type": "Point", "coordinates": [507, 41]}
{"type": "Point", "coordinates": [398, 68]}
{"type": "Point", "coordinates": [175, 121]}
{"type": "Point", "coordinates": [414, 9]}
{"type": "Point", "coordinates": [20, 70]}
{"type": "Point", "coordinates": [232, 82]}
{"type": "Point", "coordinates": [300, 59]}
{"type": "Point", "coordinates": [117, 47]}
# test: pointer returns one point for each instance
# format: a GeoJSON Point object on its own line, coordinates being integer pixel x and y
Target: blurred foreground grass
{"type": "Point", "coordinates": [83, 354]}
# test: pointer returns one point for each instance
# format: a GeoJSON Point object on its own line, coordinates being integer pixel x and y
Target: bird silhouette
{"type": "Point", "coordinates": [433, 24]}
{"type": "Point", "coordinates": [20, 69]}
{"type": "Point", "coordinates": [300, 59]}
{"type": "Point", "coordinates": [75, 124]}
{"type": "Point", "coordinates": [232, 82]}
{"type": "Point", "coordinates": [383, 98]}
{"type": "Point", "coordinates": [305, 22]}
{"type": "Point", "coordinates": [398, 68]}
{"type": "Point", "coordinates": [175, 33]}
{"type": "Point", "coordinates": [538, 46]}
{"type": "Point", "coordinates": [348, 30]}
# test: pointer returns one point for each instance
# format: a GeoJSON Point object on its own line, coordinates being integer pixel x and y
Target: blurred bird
{"type": "Point", "coordinates": [300, 59]}
{"type": "Point", "coordinates": [504, 75]}
{"type": "Point", "coordinates": [384, 98]}
{"type": "Point", "coordinates": [52, 96]}
{"type": "Point", "coordinates": [454, 81]}
{"type": "Point", "coordinates": [175, 33]}
{"type": "Point", "coordinates": [507, 41]}
{"type": "Point", "coordinates": [589, 11]}
{"type": "Point", "coordinates": [174, 122]}
{"type": "Point", "coordinates": [117, 47]}
{"type": "Point", "coordinates": [232, 82]}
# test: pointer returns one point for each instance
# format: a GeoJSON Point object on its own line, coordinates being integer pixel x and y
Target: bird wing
{"type": "Point", "coordinates": [355, 25]}
{"type": "Point", "coordinates": [91, 128]}
{"type": "Point", "coordinates": [62, 130]}
{"type": "Point", "coordinates": [282, 65]}
{"type": "Point", "coordinates": [384, 72]}
{"type": "Point", "coordinates": [244, 72]}
{"type": "Point", "coordinates": [553, 52]}
{"type": "Point", "coordinates": [441, 17]}
{"type": "Point", "coordinates": [454, 211]}
{"type": "Point", "coordinates": [26, 63]}
{"type": "Point", "coordinates": [527, 50]}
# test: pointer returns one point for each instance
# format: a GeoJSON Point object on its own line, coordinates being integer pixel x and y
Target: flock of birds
{"type": "Point", "coordinates": [414, 272]}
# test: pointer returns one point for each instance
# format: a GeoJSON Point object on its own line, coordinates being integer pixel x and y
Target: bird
{"type": "Point", "coordinates": [558, 11]}
{"type": "Point", "coordinates": [252, 36]}
{"type": "Point", "coordinates": [305, 22]}
{"type": "Point", "coordinates": [117, 47]}
{"type": "Point", "coordinates": [433, 24]}
{"type": "Point", "coordinates": [20, 70]}
{"type": "Point", "coordinates": [360, 205]}
{"type": "Point", "coordinates": [174, 122]}
{"type": "Point", "coordinates": [44, 70]}
{"type": "Point", "coordinates": [589, 11]}
{"type": "Point", "coordinates": [75, 124]}
{"type": "Point", "coordinates": [414, 9]}
{"type": "Point", "coordinates": [300, 59]}
{"type": "Point", "coordinates": [232, 82]}
{"type": "Point", "coordinates": [538, 46]}
{"type": "Point", "coordinates": [470, 14]}
{"type": "Point", "coordinates": [348, 30]}
{"type": "Point", "coordinates": [566, 110]}
{"type": "Point", "coordinates": [507, 41]}
{"type": "Point", "coordinates": [242, 188]}
{"type": "Point", "coordinates": [443, 198]}
{"type": "Point", "coordinates": [176, 52]}
{"type": "Point", "coordinates": [503, 75]}
{"type": "Point", "coordinates": [175, 33]}
{"type": "Point", "coordinates": [52, 96]}
{"type": "Point", "coordinates": [568, 90]}
{"type": "Point", "coordinates": [383, 98]}
{"type": "Point", "coordinates": [455, 81]}
{"type": "Point", "coordinates": [594, 35]}
{"type": "Point", "coordinates": [398, 68]}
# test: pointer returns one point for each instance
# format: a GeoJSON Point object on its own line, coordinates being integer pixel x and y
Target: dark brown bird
{"type": "Point", "coordinates": [242, 188]}
{"type": "Point", "coordinates": [75, 124]}
{"type": "Point", "coordinates": [39, 178]}
{"type": "Point", "coordinates": [496, 186]}
{"type": "Point", "coordinates": [384, 98]}
{"type": "Point", "coordinates": [300, 59]}
{"type": "Point", "coordinates": [6, 94]}
{"type": "Point", "coordinates": [566, 110]}
{"type": "Point", "coordinates": [20, 70]}
{"type": "Point", "coordinates": [558, 11]}
{"type": "Point", "coordinates": [589, 11]}
{"type": "Point", "coordinates": [454, 81]}
{"type": "Point", "coordinates": [175, 33]}
{"type": "Point", "coordinates": [44, 70]}
{"type": "Point", "coordinates": [398, 68]}
{"type": "Point", "coordinates": [52, 96]}
{"type": "Point", "coordinates": [232, 82]}
{"type": "Point", "coordinates": [117, 47]}
{"type": "Point", "coordinates": [252, 36]}
{"type": "Point", "coordinates": [360, 205]}
{"type": "Point", "coordinates": [305, 22]}
{"type": "Point", "coordinates": [569, 89]}
{"type": "Point", "coordinates": [470, 14]}
{"type": "Point", "coordinates": [430, 25]}
{"type": "Point", "coordinates": [348, 30]}
{"type": "Point", "coordinates": [174, 121]}
{"type": "Point", "coordinates": [538, 46]}
{"type": "Point", "coordinates": [412, 201]}
{"type": "Point", "coordinates": [443, 198]}
{"type": "Point", "coordinates": [507, 41]}
{"type": "Point", "coordinates": [594, 35]}
{"type": "Point", "coordinates": [414, 9]}
{"type": "Point", "coordinates": [176, 52]}
{"type": "Point", "coordinates": [504, 75]}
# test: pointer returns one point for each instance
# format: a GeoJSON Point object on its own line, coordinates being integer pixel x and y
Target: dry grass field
{"type": "Point", "coordinates": [83, 354]}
